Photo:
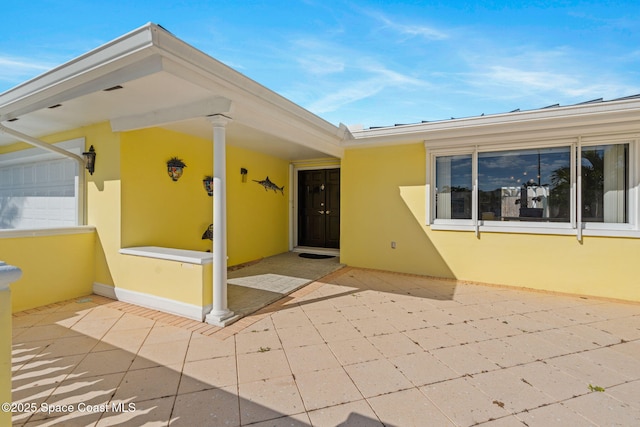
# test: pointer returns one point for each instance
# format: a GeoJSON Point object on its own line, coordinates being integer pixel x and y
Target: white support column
{"type": "Point", "coordinates": [220, 315]}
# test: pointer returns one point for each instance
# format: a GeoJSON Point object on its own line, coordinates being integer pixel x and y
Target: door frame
{"type": "Point", "coordinates": [293, 200]}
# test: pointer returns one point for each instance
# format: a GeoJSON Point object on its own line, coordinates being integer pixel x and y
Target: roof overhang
{"type": "Point", "coordinates": [165, 83]}
{"type": "Point", "coordinates": [609, 117]}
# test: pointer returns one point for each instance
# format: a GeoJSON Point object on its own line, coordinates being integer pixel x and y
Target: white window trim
{"type": "Point", "coordinates": [30, 155]}
{"type": "Point", "coordinates": [575, 226]}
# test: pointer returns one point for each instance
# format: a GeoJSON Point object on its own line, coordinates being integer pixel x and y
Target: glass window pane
{"type": "Point", "coordinates": [525, 185]}
{"type": "Point", "coordinates": [605, 183]}
{"type": "Point", "coordinates": [453, 187]}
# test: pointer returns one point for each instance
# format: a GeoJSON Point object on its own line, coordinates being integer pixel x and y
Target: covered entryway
{"type": "Point", "coordinates": [319, 208]}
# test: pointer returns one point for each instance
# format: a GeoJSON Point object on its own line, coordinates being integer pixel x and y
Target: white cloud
{"type": "Point", "coordinates": [15, 70]}
{"type": "Point", "coordinates": [409, 30]}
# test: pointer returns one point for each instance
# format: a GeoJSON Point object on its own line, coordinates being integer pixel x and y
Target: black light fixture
{"type": "Point", "coordinates": [90, 159]}
{"type": "Point", "coordinates": [244, 172]}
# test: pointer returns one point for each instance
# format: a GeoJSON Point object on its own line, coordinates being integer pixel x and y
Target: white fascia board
{"type": "Point", "coordinates": [605, 116]}
{"type": "Point", "coordinates": [115, 62]}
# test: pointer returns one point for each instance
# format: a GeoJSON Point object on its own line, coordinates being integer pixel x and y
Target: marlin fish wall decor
{"type": "Point", "coordinates": [268, 185]}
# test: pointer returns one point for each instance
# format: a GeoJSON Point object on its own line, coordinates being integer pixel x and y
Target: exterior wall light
{"type": "Point", "coordinates": [90, 159]}
{"type": "Point", "coordinates": [244, 172]}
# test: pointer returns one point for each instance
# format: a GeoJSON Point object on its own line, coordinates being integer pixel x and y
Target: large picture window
{"type": "Point", "coordinates": [524, 185]}
{"type": "Point", "coordinates": [563, 186]}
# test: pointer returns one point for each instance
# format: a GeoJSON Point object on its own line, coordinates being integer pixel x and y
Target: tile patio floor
{"type": "Point", "coordinates": [356, 348]}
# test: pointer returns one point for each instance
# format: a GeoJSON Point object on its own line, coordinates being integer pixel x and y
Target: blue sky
{"type": "Point", "coordinates": [374, 63]}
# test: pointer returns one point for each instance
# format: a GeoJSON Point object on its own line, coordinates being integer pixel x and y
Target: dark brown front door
{"type": "Point", "coordinates": [319, 208]}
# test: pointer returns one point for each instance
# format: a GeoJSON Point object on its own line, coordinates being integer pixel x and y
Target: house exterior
{"type": "Point", "coordinates": [545, 199]}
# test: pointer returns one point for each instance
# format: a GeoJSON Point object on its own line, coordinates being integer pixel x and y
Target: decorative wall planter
{"type": "Point", "coordinates": [207, 182]}
{"type": "Point", "coordinates": [175, 167]}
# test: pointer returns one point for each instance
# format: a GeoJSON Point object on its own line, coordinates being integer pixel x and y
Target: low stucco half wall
{"type": "Point", "coordinates": [57, 265]}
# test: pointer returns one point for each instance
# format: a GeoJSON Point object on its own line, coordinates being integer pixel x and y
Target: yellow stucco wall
{"type": "Point", "coordinates": [157, 211]}
{"type": "Point", "coordinates": [5, 354]}
{"type": "Point", "coordinates": [383, 200]}
{"type": "Point", "coordinates": [55, 268]}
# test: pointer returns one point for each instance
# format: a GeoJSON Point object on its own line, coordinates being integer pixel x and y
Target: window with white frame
{"type": "Point", "coordinates": [39, 189]}
{"type": "Point", "coordinates": [571, 185]}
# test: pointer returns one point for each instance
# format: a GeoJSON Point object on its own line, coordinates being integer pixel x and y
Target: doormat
{"type": "Point", "coordinates": [315, 256]}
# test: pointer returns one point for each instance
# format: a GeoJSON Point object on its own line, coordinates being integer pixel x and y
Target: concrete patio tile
{"type": "Point", "coordinates": [533, 344]}
{"type": "Point", "coordinates": [431, 338]}
{"type": "Point", "coordinates": [408, 321]}
{"type": "Point", "coordinates": [262, 365]}
{"type": "Point", "coordinates": [464, 360]}
{"type": "Point", "coordinates": [524, 323]}
{"type": "Point", "coordinates": [104, 362]}
{"type": "Point", "coordinates": [146, 384]}
{"type": "Point", "coordinates": [66, 346]}
{"type": "Point", "coordinates": [329, 387]}
{"type": "Point", "coordinates": [628, 330]}
{"type": "Point", "coordinates": [438, 317]}
{"type": "Point", "coordinates": [269, 399]}
{"type": "Point", "coordinates": [463, 403]}
{"type": "Point", "coordinates": [629, 348]}
{"type": "Point", "coordinates": [373, 326]}
{"type": "Point", "coordinates": [550, 380]}
{"type": "Point", "coordinates": [501, 352]}
{"type": "Point", "coordinates": [131, 321]}
{"type": "Point", "coordinates": [357, 312]}
{"type": "Point", "coordinates": [508, 421]}
{"type": "Point", "coordinates": [627, 366]}
{"type": "Point", "coordinates": [289, 318]}
{"type": "Point", "coordinates": [464, 333]}
{"type": "Point", "coordinates": [602, 409]}
{"type": "Point", "coordinates": [408, 408]}
{"type": "Point", "coordinates": [96, 328]}
{"type": "Point", "coordinates": [496, 327]}
{"type": "Point", "coordinates": [208, 373]}
{"type": "Point", "coordinates": [204, 347]}
{"type": "Point", "coordinates": [352, 414]}
{"type": "Point", "coordinates": [311, 358]}
{"type": "Point", "coordinates": [396, 344]}
{"type": "Point", "coordinates": [338, 331]}
{"type": "Point", "coordinates": [299, 336]}
{"type": "Point", "coordinates": [567, 340]}
{"type": "Point", "coordinates": [322, 315]}
{"type": "Point", "coordinates": [554, 415]}
{"type": "Point", "coordinates": [218, 406]}
{"type": "Point", "coordinates": [627, 392]}
{"type": "Point", "coordinates": [45, 332]}
{"type": "Point", "coordinates": [509, 390]}
{"type": "Point", "coordinates": [467, 313]}
{"type": "Point", "coordinates": [377, 377]}
{"type": "Point", "coordinates": [423, 368]}
{"type": "Point", "coordinates": [298, 420]}
{"type": "Point", "coordinates": [610, 310]}
{"type": "Point", "coordinates": [251, 340]}
{"type": "Point", "coordinates": [161, 334]}
{"type": "Point", "coordinates": [588, 371]}
{"type": "Point", "coordinates": [354, 351]}
{"type": "Point", "coordinates": [153, 412]}
{"type": "Point", "coordinates": [595, 335]}
{"type": "Point", "coordinates": [161, 354]}
{"type": "Point", "coordinates": [87, 392]}
{"type": "Point", "coordinates": [547, 317]}
{"type": "Point", "coordinates": [126, 339]}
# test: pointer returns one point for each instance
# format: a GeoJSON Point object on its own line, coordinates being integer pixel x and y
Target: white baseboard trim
{"type": "Point", "coordinates": [190, 311]}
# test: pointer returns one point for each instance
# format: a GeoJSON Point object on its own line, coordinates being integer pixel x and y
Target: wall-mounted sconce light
{"type": "Point", "coordinates": [207, 182]}
{"type": "Point", "coordinates": [90, 159]}
{"type": "Point", "coordinates": [175, 168]}
{"type": "Point", "coordinates": [244, 173]}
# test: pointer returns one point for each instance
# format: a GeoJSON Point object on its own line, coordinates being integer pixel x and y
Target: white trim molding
{"type": "Point", "coordinates": [153, 302]}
